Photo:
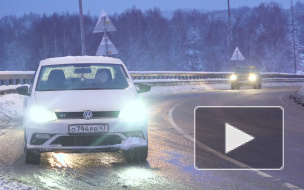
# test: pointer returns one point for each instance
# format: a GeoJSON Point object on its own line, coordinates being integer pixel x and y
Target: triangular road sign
{"type": "Point", "coordinates": [237, 55]}
{"type": "Point", "coordinates": [104, 20]}
{"type": "Point", "coordinates": [235, 138]}
{"type": "Point", "coordinates": [102, 47]}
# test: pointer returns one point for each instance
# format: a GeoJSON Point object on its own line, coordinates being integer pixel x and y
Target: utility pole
{"type": "Point", "coordinates": [229, 32]}
{"type": "Point", "coordinates": [229, 27]}
{"type": "Point", "coordinates": [293, 39]}
{"type": "Point", "coordinates": [82, 29]}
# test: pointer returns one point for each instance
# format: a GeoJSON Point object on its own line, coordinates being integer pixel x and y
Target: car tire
{"type": "Point", "coordinates": [237, 87]}
{"type": "Point", "coordinates": [260, 86]}
{"type": "Point", "coordinates": [31, 157]}
{"type": "Point", "coordinates": [232, 87]}
{"type": "Point", "coordinates": [136, 155]}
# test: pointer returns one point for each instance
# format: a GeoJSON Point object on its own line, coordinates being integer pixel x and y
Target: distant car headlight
{"type": "Point", "coordinates": [135, 111]}
{"type": "Point", "coordinates": [252, 77]}
{"type": "Point", "coordinates": [39, 114]}
{"type": "Point", "coordinates": [233, 77]}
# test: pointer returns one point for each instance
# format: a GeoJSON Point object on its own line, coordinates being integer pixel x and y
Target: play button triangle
{"type": "Point", "coordinates": [235, 138]}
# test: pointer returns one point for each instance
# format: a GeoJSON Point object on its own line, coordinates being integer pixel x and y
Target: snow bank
{"type": "Point", "coordinates": [301, 91]}
{"type": "Point", "coordinates": [177, 89]}
{"type": "Point", "coordinates": [11, 111]}
{"type": "Point", "coordinates": [192, 88]}
{"type": "Point", "coordinates": [10, 87]}
{"type": "Point", "coordinates": [9, 184]}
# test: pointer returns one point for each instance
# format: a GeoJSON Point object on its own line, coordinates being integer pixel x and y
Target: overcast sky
{"type": "Point", "coordinates": [19, 7]}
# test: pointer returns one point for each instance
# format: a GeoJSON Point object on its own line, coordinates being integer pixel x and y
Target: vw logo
{"type": "Point", "coordinates": [87, 114]}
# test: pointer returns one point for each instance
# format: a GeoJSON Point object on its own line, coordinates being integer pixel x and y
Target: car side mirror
{"type": "Point", "coordinates": [23, 90]}
{"type": "Point", "coordinates": [144, 88]}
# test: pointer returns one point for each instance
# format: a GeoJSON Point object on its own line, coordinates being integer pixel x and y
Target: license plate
{"type": "Point", "coordinates": [88, 128]}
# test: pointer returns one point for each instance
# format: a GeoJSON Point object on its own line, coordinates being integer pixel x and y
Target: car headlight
{"type": "Point", "coordinates": [233, 77]}
{"type": "Point", "coordinates": [252, 77]}
{"type": "Point", "coordinates": [135, 111]}
{"type": "Point", "coordinates": [39, 114]}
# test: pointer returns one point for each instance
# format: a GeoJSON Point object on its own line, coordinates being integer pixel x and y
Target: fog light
{"type": "Point", "coordinates": [43, 136]}
{"type": "Point", "coordinates": [135, 134]}
{"type": "Point", "coordinates": [139, 134]}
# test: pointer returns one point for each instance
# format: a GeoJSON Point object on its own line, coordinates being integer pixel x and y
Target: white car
{"type": "Point", "coordinates": [84, 104]}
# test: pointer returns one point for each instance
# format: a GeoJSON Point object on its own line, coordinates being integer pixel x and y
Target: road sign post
{"type": "Point", "coordinates": [237, 56]}
{"type": "Point", "coordinates": [104, 24]}
{"type": "Point", "coordinates": [105, 35]}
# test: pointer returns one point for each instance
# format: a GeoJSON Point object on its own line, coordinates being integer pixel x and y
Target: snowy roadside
{"type": "Point", "coordinates": [7, 184]}
{"type": "Point", "coordinates": [10, 88]}
{"type": "Point", "coordinates": [301, 91]}
{"type": "Point", "coordinates": [298, 96]}
{"type": "Point", "coordinates": [11, 111]}
{"type": "Point", "coordinates": [192, 88]}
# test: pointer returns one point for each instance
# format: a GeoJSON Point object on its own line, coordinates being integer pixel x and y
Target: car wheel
{"type": "Point", "coordinates": [255, 86]}
{"type": "Point", "coordinates": [31, 157]}
{"type": "Point", "coordinates": [237, 87]}
{"type": "Point", "coordinates": [260, 86]}
{"type": "Point", "coordinates": [136, 155]}
{"type": "Point", "coordinates": [232, 87]}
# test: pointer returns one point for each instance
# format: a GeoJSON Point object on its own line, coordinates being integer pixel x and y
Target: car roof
{"type": "Point", "coordinates": [80, 60]}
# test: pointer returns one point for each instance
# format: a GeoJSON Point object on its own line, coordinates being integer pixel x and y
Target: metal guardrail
{"type": "Point", "coordinates": [26, 77]}
{"type": "Point", "coordinates": [16, 77]}
{"type": "Point", "coordinates": [179, 75]}
{"type": "Point", "coordinates": [156, 75]}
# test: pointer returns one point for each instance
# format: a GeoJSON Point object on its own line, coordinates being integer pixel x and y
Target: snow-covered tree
{"type": "Point", "coordinates": [193, 61]}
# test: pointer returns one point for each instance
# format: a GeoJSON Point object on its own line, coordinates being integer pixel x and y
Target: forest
{"type": "Point", "coordinates": [188, 41]}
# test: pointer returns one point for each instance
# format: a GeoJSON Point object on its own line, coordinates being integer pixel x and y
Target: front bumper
{"type": "Point", "coordinates": [245, 82]}
{"type": "Point", "coordinates": [122, 135]}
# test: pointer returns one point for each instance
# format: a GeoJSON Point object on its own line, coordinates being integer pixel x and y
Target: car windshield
{"type": "Point", "coordinates": [81, 77]}
{"type": "Point", "coordinates": [245, 70]}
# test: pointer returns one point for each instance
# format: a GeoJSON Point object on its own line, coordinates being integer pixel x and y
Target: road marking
{"type": "Point", "coordinates": [179, 130]}
{"type": "Point", "coordinates": [290, 186]}
{"type": "Point", "coordinates": [280, 98]}
{"type": "Point", "coordinates": [263, 174]}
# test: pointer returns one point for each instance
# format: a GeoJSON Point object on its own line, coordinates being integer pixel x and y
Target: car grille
{"type": "Point", "coordinates": [79, 115]}
{"type": "Point", "coordinates": [243, 77]}
{"type": "Point", "coordinates": [92, 140]}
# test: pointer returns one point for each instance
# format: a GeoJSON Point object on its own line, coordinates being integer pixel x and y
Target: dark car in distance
{"type": "Point", "coordinates": [246, 76]}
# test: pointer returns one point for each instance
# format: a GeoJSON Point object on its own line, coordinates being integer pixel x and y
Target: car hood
{"type": "Point", "coordinates": [80, 100]}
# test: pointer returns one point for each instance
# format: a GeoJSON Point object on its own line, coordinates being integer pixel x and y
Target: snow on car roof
{"type": "Point", "coordinates": [80, 59]}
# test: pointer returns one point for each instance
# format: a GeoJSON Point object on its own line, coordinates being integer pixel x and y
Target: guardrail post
{"type": "Point", "coordinates": [28, 81]}
{"type": "Point", "coordinates": [11, 81]}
